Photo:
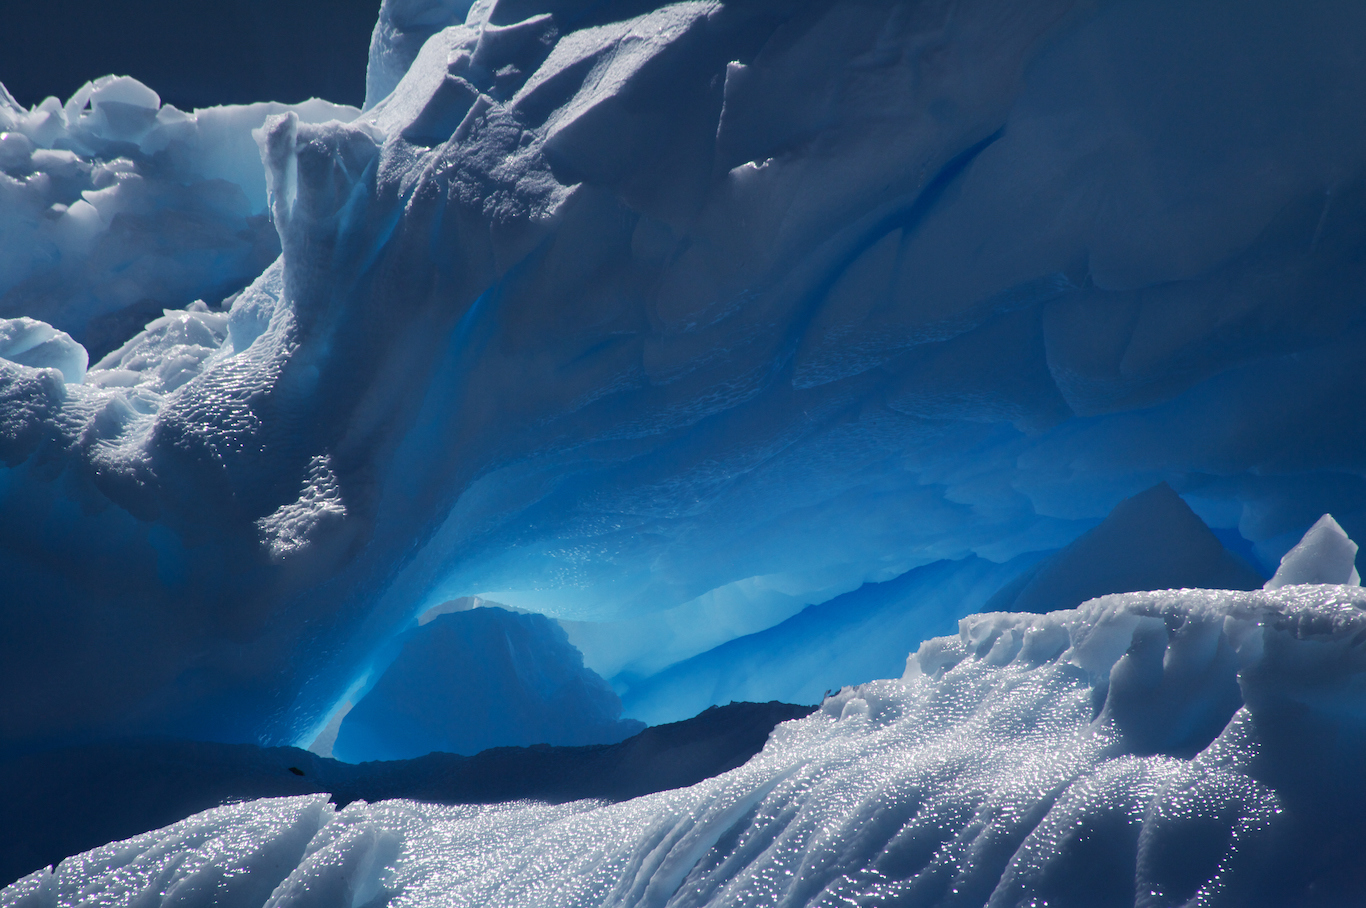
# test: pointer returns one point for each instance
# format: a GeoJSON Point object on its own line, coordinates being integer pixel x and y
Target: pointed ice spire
{"type": "Point", "coordinates": [1324, 555]}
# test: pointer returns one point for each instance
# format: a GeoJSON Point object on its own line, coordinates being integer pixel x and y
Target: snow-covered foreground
{"type": "Point", "coordinates": [1162, 748]}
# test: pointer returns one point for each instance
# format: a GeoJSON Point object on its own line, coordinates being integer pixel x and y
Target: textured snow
{"type": "Point", "coordinates": [1182, 747]}
{"type": "Point", "coordinates": [602, 309]}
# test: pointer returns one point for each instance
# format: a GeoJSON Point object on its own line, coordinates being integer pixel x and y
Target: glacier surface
{"type": "Point", "coordinates": [1186, 747]}
{"type": "Point", "coordinates": [605, 308]}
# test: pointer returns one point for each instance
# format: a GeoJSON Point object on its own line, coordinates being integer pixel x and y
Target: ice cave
{"type": "Point", "coordinates": [709, 453]}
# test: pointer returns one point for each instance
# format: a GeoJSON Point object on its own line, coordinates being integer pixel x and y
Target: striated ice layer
{"type": "Point", "coordinates": [1151, 541]}
{"type": "Point", "coordinates": [1188, 747]}
{"type": "Point", "coordinates": [602, 308]}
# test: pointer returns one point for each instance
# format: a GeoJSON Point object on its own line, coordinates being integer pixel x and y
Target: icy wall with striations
{"type": "Point", "coordinates": [611, 307]}
{"type": "Point", "coordinates": [1150, 749]}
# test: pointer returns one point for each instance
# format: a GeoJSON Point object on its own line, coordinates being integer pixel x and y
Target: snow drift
{"type": "Point", "coordinates": [1162, 748]}
{"type": "Point", "coordinates": [609, 307]}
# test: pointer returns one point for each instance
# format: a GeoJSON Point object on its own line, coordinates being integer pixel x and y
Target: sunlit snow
{"type": "Point", "coordinates": [1180, 747]}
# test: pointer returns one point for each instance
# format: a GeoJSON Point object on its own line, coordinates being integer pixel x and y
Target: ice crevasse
{"type": "Point", "coordinates": [1185, 747]}
{"type": "Point", "coordinates": [604, 308]}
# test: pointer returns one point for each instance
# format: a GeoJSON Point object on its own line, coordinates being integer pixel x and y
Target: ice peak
{"type": "Point", "coordinates": [1326, 554]}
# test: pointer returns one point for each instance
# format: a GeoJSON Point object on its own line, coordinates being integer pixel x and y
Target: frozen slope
{"type": "Point", "coordinates": [1188, 747]}
{"type": "Point", "coordinates": [608, 306]}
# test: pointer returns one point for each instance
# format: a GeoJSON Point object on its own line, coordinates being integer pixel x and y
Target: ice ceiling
{"type": "Point", "coordinates": [607, 309]}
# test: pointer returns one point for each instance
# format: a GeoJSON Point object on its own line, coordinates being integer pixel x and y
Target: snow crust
{"type": "Point", "coordinates": [605, 308]}
{"type": "Point", "coordinates": [1181, 747]}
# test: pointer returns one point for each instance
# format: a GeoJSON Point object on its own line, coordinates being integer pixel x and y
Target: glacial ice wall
{"type": "Point", "coordinates": [607, 307]}
{"type": "Point", "coordinates": [1187, 747]}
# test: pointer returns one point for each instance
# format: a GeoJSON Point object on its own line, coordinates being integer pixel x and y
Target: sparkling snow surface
{"type": "Point", "coordinates": [1166, 748]}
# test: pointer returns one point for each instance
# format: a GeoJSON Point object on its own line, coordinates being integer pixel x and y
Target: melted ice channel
{"type": "Point", "coordinates": [1172, 748]}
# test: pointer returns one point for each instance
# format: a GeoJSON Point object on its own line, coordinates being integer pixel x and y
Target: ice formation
{"type": "Point", "coordinates": [480, 678]}
{"type": "Point", "coordinates": [1188, 747]}
{"type": "Point", "coordinates": [1324, 555]}
{"type": "Point", "coordinates": [1149, 541]}
{"type": "Point", "coordinates": [114, 206]}
{"type": "Point", "coordinates": [612, 307]}
{"type": "Point", "coordinates": [38, 345]}
{"type": "Point", "coordinates": [847, 640]}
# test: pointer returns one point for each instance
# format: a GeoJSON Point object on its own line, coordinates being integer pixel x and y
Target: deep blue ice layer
{"type": "Point", "coordinates": [1149, 541]}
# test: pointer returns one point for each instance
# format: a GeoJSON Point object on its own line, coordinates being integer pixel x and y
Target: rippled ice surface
{"type": "Point", "coordinates": [1183, 747]}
